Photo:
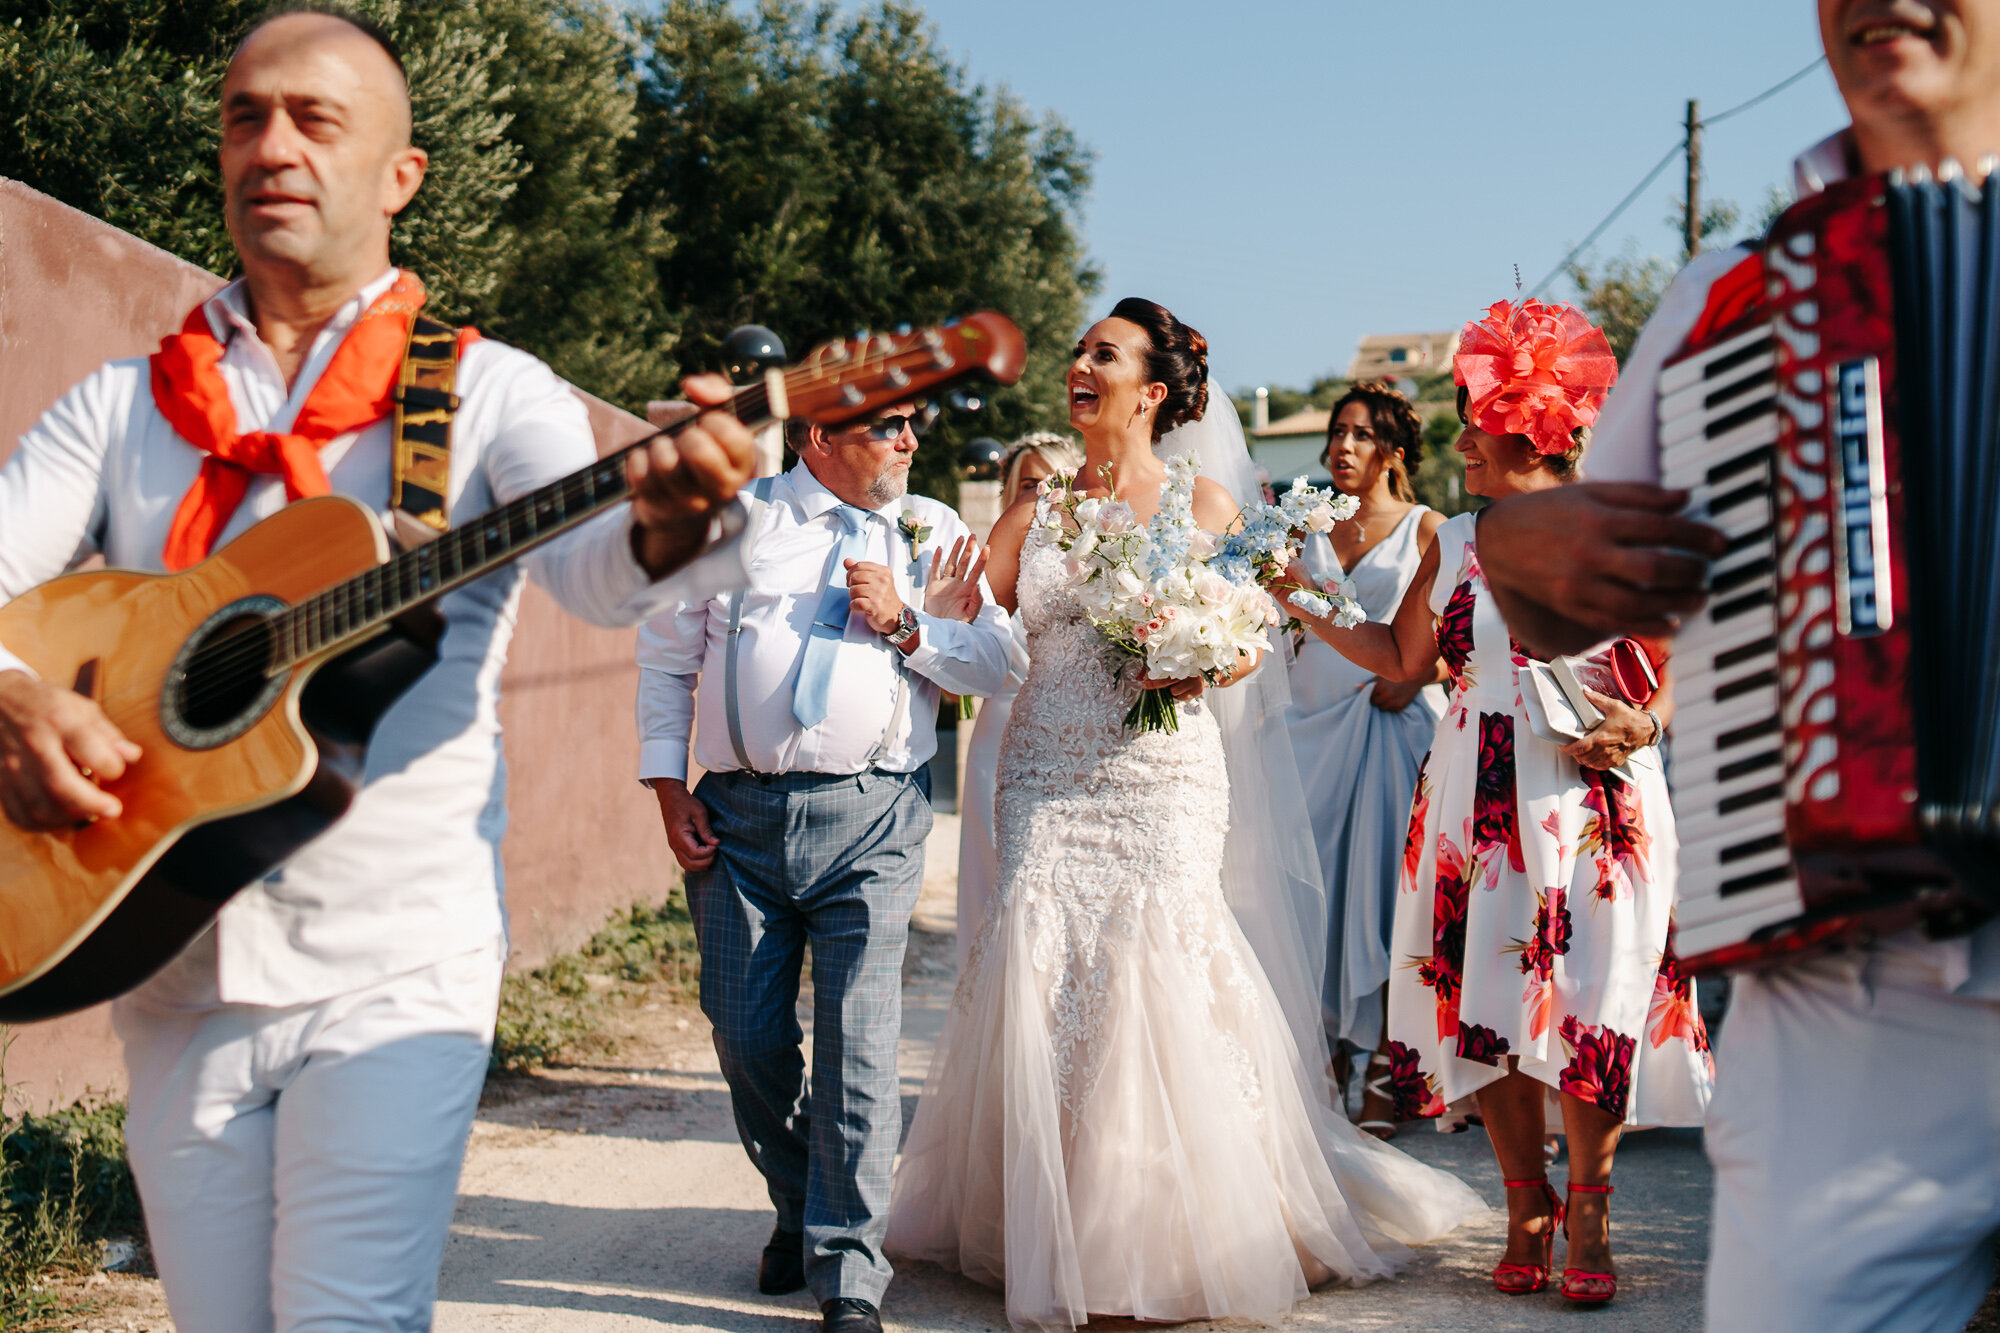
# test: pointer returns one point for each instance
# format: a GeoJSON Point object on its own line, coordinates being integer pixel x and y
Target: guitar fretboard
{"type": "Point", "coordinates": [330, 620]}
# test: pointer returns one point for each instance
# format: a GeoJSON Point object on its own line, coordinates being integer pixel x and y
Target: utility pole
{"type": "Point", "coordinates": [1691, 222]}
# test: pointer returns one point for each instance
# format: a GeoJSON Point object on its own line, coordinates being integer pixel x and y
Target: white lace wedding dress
{"type": "Point", "coordinates": [1118, 1121]}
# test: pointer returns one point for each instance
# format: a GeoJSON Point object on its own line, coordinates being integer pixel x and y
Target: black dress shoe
{"type": "Point", "coordinates": [850, 1314]}
{"type": "Point", "coordinates": [782, 1270]}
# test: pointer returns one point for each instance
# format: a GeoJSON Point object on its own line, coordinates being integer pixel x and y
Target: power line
{"type": "Point", "coordinates": [1772, 91]}
{"type": "Point", "coordinates": [1609, 218]}
{"type": "Point", "coordinates": [1661, 166]}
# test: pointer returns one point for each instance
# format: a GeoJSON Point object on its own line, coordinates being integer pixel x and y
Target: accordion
{"type": "Point", "coordinates": [1837, 738]}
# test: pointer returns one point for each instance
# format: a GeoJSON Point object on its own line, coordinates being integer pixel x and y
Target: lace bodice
{"type": "Point", "coordinates": [1104, 833]}
{"type": "Point", "coordinates": [1068, 735]}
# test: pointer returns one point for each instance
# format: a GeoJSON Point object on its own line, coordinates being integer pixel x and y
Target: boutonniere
{"type": "Point", "coordinates": [914, 528]}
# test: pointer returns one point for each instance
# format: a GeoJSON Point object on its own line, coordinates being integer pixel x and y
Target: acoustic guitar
{"type": "Point", "coordinates": [252, 681]}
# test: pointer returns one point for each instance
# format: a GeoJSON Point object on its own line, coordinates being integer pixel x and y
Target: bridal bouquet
{"type": "Point", "coordinates": [1180, 598]}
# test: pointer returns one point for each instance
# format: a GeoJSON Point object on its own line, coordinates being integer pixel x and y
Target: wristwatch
{"type": "Point", "coordinates": [906, 629]}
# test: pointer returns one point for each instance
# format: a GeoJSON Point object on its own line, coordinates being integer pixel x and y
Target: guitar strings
{"type": "Point", "coordinates": [222, 668]}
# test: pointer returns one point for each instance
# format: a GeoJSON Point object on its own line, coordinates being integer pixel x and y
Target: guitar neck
{"type": "Point", "coordinates": [346, 613]}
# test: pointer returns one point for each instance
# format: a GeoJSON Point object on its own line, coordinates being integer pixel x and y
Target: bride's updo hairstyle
{"type": "Point", "coordinates": [1176, 356]}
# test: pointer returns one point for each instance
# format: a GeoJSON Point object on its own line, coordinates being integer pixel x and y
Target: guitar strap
{"type": "Point", "coordinates": [420, 463]}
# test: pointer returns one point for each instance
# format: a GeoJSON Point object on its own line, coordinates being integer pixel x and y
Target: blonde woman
{"type": "Point", "coordinates": [1022, 468]}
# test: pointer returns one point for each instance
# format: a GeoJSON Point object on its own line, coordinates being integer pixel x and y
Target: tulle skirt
{"type": "Point", "coordinates": [1172, 1166]}
{"type": "Point", "coordinates": [978, 865]}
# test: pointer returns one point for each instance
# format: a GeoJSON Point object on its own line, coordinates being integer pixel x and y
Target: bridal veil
{"type": "Point", "coordinates": [1271, 872]}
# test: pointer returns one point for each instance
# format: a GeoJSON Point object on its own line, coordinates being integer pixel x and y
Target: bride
{"type": "Point", "coordinates": [1119, 1120]}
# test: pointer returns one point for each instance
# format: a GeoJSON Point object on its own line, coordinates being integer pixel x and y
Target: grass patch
{"type": "Point", "coordinates": [553, 1010]}
{"type": "Point", "coordinates": [650, 945]}
{"type": "Point", "coordinates": [64, 1188]}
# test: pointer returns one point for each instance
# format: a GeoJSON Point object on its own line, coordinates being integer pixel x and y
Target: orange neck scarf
{"type": "Point", "coordinates": [356, 390]}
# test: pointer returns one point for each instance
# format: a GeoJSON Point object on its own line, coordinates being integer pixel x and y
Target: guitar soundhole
{"type": "Point", "coordinates": [219, 685]}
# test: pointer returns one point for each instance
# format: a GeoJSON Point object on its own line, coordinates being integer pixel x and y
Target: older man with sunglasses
{"type": "Point", "coordinates": [817, 693]}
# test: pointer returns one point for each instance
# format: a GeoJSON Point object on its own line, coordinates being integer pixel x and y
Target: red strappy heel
{"type": "Point", "coordinates": [1537, 1274]}
{"type": "Point", "coordinates": [1570, 1275]}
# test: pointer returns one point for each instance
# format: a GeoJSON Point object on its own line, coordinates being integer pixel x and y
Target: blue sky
{"type": "Point", "coordinates": [1290, 174]}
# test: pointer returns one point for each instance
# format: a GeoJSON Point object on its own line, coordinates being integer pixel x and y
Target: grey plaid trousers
{"type": "Point", "coordinates": [838, 861]}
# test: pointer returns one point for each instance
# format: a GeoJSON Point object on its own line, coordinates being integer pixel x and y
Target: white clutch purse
{"type": "Point", "coordinates": [1559, 710]}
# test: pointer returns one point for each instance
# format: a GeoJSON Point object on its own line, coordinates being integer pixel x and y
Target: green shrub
{"type": "Point", "coordinates": [650, 944]}
{"type": "Point", "coordinates": [542, 1013]}
{"type": "Point", "coordinates": [64, 1188]}
{"type": "Point", "coordinates": [552, 1009]}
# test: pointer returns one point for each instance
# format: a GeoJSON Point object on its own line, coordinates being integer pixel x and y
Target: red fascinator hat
{"type": "Point", "coordinates": [1534, 369]}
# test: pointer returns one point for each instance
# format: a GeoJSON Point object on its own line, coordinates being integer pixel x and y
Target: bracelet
{"type": "Point", "coordinates": [1659, 727]}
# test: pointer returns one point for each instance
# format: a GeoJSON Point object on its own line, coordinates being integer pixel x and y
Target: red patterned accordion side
{"type": "Point", "coordinates": [1843, 584]}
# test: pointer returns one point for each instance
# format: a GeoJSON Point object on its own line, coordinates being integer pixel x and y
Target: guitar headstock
{"type": "Point", "coordinates": [841, 382]}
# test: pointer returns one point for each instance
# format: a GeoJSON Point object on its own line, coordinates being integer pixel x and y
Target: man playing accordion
{"type": "Point", "coordinates": [1855, 1115]}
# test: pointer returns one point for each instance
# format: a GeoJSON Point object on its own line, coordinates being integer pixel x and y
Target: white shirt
{"type": "Point", "coordinates": [795, 535]}
{"type": "Point", "coordinates": [1625, 446]}
{"type": "Point", "coordinates": [411, 874]}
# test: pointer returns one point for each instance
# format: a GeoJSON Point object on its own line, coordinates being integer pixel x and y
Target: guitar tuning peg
{"type": "Point", "coordinates": [901, 330]}
{"type": "Point", "coordinates": [965, 400]}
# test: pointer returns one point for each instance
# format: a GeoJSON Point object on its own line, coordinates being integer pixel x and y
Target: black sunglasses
{"type": "Point", "coordinates": [889, 427]}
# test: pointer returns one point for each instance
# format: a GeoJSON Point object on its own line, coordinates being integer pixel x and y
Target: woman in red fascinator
{"type": "Point", "coordinates": [1534, 967]}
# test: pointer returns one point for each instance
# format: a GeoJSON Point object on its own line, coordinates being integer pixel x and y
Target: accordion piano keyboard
{"type": "Point", "coordinates": [1718, 418]}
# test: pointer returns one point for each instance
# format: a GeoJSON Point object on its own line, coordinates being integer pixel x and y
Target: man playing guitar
{"type": "Point", "coordinates": [303, 1077]}
{"type": "Point", "coordinates": [1853, 1125]}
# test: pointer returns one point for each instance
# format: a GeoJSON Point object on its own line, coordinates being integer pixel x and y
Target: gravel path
{"type": "Point", "coordinates": [616, 1197]}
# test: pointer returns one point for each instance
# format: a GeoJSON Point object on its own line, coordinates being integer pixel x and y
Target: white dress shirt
{"type": "Point", "coordinates": [1625, 446]}
{"type": "Point", "coordinates": [795, 535]}
{"type": "Point", "coordinates": [411, 874]}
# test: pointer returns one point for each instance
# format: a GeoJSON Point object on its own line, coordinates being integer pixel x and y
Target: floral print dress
{"type": "Point", "coordinates": [1534, 917]}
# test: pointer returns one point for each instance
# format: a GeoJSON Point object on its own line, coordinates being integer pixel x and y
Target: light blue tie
{"type": "Point", "coordinates": [829, 627]}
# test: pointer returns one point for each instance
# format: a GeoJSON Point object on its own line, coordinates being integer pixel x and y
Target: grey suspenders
{"type": "Point", "coordinates": [760, 491]}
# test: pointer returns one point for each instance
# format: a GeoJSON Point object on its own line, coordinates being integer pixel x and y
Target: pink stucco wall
{"type": "Point", "coordinates": [584, 837]}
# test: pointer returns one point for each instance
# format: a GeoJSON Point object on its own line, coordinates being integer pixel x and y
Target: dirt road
{"type": "Point", "coordinates": [616, 1197]}
{"type": "Point", "coordinates": [612, 1195]}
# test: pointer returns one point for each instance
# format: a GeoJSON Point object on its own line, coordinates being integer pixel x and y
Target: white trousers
{"type": "Point", "coordinates": [299, 1166]}
{"type": "Point", "coordinates": [1855, 1134]}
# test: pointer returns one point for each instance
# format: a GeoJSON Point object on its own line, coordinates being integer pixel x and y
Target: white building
{"type": "Point", "coordinates": [1290, 447]}
{"type": "Point", "coordinates": [1389, 356]}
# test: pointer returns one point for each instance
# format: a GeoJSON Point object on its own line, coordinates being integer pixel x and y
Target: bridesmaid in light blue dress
{"type": "Point", "coordinates": [1360, 740]}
